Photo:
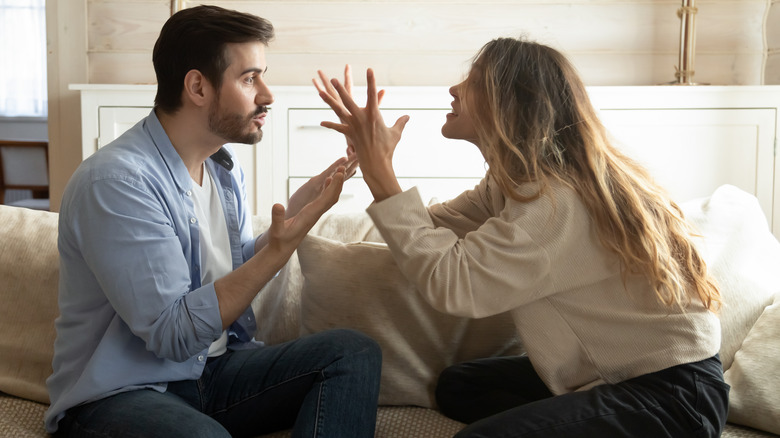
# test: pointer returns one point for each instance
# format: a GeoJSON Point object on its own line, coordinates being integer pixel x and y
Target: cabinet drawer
{"type": "Point", "coordinates": [422, 151]}
{"type": "Point", "coordinates": [355, 195]}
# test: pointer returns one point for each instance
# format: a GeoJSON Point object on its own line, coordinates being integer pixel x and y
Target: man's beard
{"type": "Point", "coordinates": [231, 126]}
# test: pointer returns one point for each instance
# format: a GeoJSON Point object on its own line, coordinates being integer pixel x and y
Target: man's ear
{"type": "Point", "coordinates": [197, 88]}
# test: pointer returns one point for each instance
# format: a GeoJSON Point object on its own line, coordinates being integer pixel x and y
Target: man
{"type": "Point", "coordinates": [158, 267]}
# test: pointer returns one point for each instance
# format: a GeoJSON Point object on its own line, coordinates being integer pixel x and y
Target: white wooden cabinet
{"type": "Point", "coordinates": [691, 138]}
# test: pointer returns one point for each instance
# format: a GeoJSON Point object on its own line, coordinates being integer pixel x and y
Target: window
{"type": "Point", "coordinates": [23, 58]}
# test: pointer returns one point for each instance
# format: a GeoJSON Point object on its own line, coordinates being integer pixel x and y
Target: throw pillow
{"type": "Point", "coordinates": [754, 399]}
{"type": "Point", "coordinates": [29, 268]}
{"type": "Point", "coordinates": [359, 286]}
{"type": "Point", "coordinates": [741, 254]}
{"type": "Point", "coordinates": [278, 306]}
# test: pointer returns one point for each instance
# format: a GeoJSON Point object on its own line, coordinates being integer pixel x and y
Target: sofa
{"type": "Point", "coordinates": [344, 276]}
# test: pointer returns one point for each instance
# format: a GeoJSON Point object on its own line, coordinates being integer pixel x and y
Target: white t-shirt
{"type": "Point", "coordinates": [215, 258]}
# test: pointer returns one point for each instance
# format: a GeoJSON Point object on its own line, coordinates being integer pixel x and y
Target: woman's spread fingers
{"type": "Point", "coordinates": [348, 78]}
{"type": "Point", "coordinates": [346, 98]}
{"type": "Point", "coordinates": [335, 126]}
{"type": "Point", "coordinates": [326, 83]}
{"type": "Point", "coordinates": [371, 100]}
{"type": "Point", "coordinates": [317, 85]}
{"type": "Point", "coordinates": [335, 105]}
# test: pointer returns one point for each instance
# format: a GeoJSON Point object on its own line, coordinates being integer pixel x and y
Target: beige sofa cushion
{"type": "Point", "coordinates": [358, 286]}
{"type": "Point", "coordinates": [278, 306]}
{"type": "Point", "coordinates": [29, 267]}
{"type": "Point", "coordinates": [755, 390]}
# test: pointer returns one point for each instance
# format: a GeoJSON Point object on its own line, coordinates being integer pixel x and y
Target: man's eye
{"type": "Point", "coordinates": [249, 80]}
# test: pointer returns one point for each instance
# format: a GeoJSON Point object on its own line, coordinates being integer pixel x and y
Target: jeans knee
{"type": "Point", "coordinates": [356, 344]}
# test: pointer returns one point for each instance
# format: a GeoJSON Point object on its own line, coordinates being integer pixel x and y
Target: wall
{"type": "Point", "coordinates": [773, 44]}
{"type": "Point", "coordinates": [423, 42]}
{"type": "Point", "coordinates": [619, 42]}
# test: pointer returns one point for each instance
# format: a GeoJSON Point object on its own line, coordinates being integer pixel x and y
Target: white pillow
{"type": "Point", "coordinates": [359, 286]}
{"type": "Point", "coordinates": [742, 255]}
{"type": "Point", "coordinates": [754, 399]}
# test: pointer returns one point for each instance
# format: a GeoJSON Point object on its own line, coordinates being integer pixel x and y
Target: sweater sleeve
{"type": "Point", "coordinates": [492, 269]}
{"type": "Point", "coordinates": [464, 213]}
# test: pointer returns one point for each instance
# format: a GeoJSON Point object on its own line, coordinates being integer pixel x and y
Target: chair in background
{"type": "Point", "coordinates": [24, 165]}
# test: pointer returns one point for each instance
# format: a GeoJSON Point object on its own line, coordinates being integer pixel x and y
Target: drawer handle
{"type": "Point", "coordinates": [311, 127]}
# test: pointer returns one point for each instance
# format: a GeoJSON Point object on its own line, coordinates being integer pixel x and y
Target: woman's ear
{"type": "Point", "coordinates": [197, 88]}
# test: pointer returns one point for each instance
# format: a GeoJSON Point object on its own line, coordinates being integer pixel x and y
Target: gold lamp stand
{"type": "Point", "coordinates": [685, 69]}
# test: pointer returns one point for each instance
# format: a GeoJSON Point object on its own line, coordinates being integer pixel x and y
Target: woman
{"type": "Point", "coordinates": [611, 300]}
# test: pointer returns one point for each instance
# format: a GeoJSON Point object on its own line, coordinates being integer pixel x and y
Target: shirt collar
{"type": "Point", "coordinates": [169, 155]}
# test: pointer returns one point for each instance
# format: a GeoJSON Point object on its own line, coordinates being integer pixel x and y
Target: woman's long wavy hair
{"type": "Point", "coordinates": [535, 123]}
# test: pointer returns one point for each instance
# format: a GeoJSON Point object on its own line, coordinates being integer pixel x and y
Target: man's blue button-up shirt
{"type": "Point", "coordinates": [133, 312]}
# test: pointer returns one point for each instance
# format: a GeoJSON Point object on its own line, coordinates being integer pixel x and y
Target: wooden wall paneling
{"type": "Point", "coordinates": [772, 75]}
{"type": "Point", "coordinates": [772, 25]}
{"type": "Point", "coordinates": [126, 26]}
{"type": "Point", "coordinates": [464, 26]}
{"type": "Point", "coordinates": [447, 69]}
{"type": "Point", "coordinates": [419, 43]}
{"type": "Point", "coordinates": [121, 68]}
{"type": "Point", "coordinates": [66, 30]}
{"type": "Point", "coordinates": [659, 68]}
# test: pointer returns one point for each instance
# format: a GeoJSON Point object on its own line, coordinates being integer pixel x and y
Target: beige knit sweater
{"type": "Point", "coordinates": [481, 254]}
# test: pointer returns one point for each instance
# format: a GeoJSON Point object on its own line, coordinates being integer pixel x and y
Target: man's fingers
{"type": "Point", "coordinates": [341, 162]}
{"type": "Point", "coordinates": [277, 219]}
{"type": "Point", "coordinates": [351, 168]}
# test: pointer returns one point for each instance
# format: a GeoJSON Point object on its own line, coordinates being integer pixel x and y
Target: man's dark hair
{"type": "Point", "coordinates": [196, 38]}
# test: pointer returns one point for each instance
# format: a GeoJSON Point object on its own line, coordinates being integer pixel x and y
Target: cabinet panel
{"type": "Point", "coordinates": [692, 139]}
{"type": "Point", "coordinates": [691, 152]}
{"type": "Point", "coordinates": [113, 121]}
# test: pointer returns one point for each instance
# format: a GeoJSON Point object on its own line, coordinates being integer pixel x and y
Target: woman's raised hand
{"type": "Point", "coordinates": [373, 141]}
{"type": "Point", "coordinates": [327, 87]}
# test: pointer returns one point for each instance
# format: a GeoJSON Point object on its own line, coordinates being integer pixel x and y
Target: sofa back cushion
{"type": "Point", "coordinates": [743, 257]}
{"type": "Point", "coordinates": [359, 286]}
{"type": "Point", "coordinates": [29, 268]}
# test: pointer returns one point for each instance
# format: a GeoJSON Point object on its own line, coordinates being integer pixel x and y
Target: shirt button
{"type": "Point", "coordinates": [189, 192]}
{"type": "Point", "coordinates": [193, 220]}
{"type": "Point", "coordinates": [200, 358]}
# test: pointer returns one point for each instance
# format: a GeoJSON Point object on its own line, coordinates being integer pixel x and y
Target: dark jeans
{"type": "Point", "coordinates": [505, 398]}
{"type": "Point", "coordinates": [324, 385]}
